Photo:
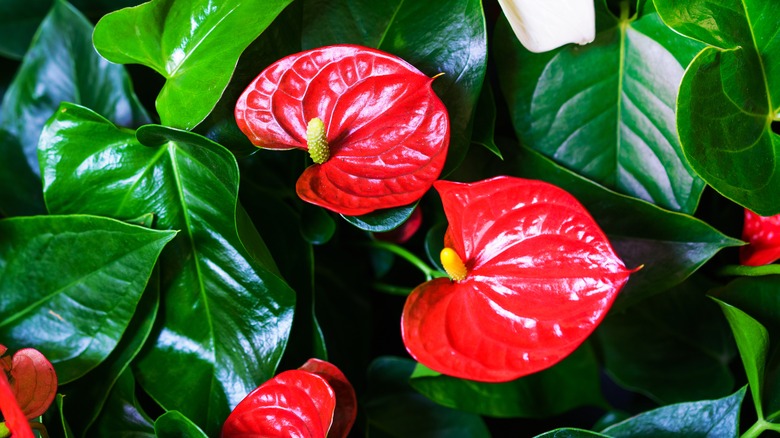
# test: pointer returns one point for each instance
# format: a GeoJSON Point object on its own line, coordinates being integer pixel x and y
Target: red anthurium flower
{"type": "Point", "coordinates": [371, 122]}
{"type": "Point", "coordinates": [28, 385]}
{"type": "Point", "coordinates": [763, 236]}
{"type": "Point", "coordinates": [315, 400]}
{"type": "Point", "coordinates": [532, 275]}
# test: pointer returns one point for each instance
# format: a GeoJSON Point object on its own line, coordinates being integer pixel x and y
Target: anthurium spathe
{"type": "Point", "coordinates": [376, 131]}
{"type": "Point", "coordinates": [28, 384]}
{"type": "Point", "coordinates": [763, 236]}
{"type": "Point", "coordinates": [543, 25]}
{"type": "Point", "coordinates": [315, 401]}
{"type": "Point", "coordinates": [532, 275]}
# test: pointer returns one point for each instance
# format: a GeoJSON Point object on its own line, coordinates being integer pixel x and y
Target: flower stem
{"type": "Point", "coordinates": [760, 427]}
{"type": "Point", "coordinates": [429, 272]}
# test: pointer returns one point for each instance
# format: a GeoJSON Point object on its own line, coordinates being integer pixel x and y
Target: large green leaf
{"type": "Point", "coordinates": [571, 433]}
{"type": "Point", "coordinates": [122, 415]}
{"type": "Point", "coordinates": [194, 44]}
{"type": "Point", "coordinates": [225, 317]}
{"type": "Point", "coordinates": [395, 410]}
{"type": "Point", "coordinates": [606, 110]}
{"type": "Point", "coordinates": [61, 65]}
{"type": "Point", "coordinates": [71, 284]}
{"type": "Point", "coordinates": [19, 20]}
{"type": "Point", "coordinates": [21, 193]}
{"type": "Point", "coordinates": [669, 246]}
{"type": "Point", "coordinates": [683, 355]}
{"type": "Point", "coordinates": [173, 424]}
{"type": "Point", "coordinates": [730, 95]}
{"type": "Point", "coordinates": [453, 43]}
{"type": "Point", "coordinates": [87, 395]}
{"type": "Point", "coordinates": [709, 418]}
{"type": "Point", "coordinates": [572, 383]}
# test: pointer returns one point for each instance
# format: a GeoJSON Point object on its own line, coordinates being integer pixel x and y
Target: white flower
{"type": "Point", "coordinates": [543, 25]}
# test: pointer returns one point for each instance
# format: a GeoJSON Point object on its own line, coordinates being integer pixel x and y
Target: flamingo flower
{"type": "Point", "coordinates": [314, 401]}
{"type": "Point", "coordinates": [376, 131]}
{"type": "Point", "coordinates": [543, 25]}
{"type": "Point", "coordinates": [531, 276]}
{"type": "Point", "coordinates": [28, 385]}
{"type": "Point", "coordinates": [763, 236]}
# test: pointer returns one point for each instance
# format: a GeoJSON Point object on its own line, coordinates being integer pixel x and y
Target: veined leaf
{"type": "Point", "coordinates": [194, 44]}
{"type": "Point", "coordinates": [606, 109]}
{"type": "Point", "coordinates": [225, 316]}
{"type": "Point", "coordinates": [71, 284]}
{"type": "Point", "coordinates": [730, 95]}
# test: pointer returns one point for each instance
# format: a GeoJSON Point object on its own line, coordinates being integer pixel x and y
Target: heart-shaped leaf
{"type": "Point", "coordinates": [195, 45]}
{"type": "Point", "coordinates": [223, 309]}
{"type": "Point", "coordinates": [708, 418]}
{"type": "Point", "coordinates": [49, 262]}
{"type": "Point", "coordinates": [33, 380]}
{"type": "Point", "coordinates": [730, 95]}
{"type": "Point", "coordinates": [606, 110]}
{"type": "Point", "coordinates": [538, 275]}
{"type": "Point", "coordinates": [762, 233]}
{"type": "Point", "coordinates": [61, 65]}
{"type": "Point", "coordinates": [385, 131]}
{"type": "Point", "coordinates": [459, 48]}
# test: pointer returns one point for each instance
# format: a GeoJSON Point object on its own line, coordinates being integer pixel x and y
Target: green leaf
{"type": "Point", "coordinates": [66, 430]}
{"type": "Point", "coordinates": [61, 295]}
{"type": "Point", "coordinates": [753, 344]}
{"type": "Point", "coordinates": [173, 424]}
{"type": "Point", "coordinates": [669, 246]}
{"type": "Point", "coordinates": [222, 309]}
{"type": "Point", "coordinates": [317, 227]}
{"type": "Point", "coordinates": [194, 45]}
{"type": "Point", "coordinates": [572, 383]}
{"type": "Point", "coordinates": [21, 193]}
{"type": "Point", "coordinates": [454, 43]}
{"type": "Point", "coordinates": [485, 121]}
{"type": "Point", "coordinates": [606, 109]}
{"type": "Point", "coordinates": [396, 410]}
{"type": "Point", "coordinates": [122, 415]}
{"type": "Point", "coordinates": [570, 433]}
{"type": "Point", "coordinates": [87, 395]}
{"type": "Point", "coordinates": [683, 355]}
{"type": "Point", "coordinates": [710, 418]}
{"type": "Point", "coordinates": [730, 95]}
{"type": "Point", "coordinates": [382, 220]}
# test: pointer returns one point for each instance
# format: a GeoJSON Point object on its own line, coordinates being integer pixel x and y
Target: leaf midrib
{"type": "Point", "coordinates": [760, 61]}
{"type": "Point", "coordinates": [389, 24]}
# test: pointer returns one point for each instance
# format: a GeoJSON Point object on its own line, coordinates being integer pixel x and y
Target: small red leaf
{"type": "Point", "coordinates": [346, 400]}
{"type": "Point", "coordinates": [763, 236]}
{"type": "Point", "coordinates": [387, 130]}
{"type": "Point", "coordinates": [34, 381]}
{"type": "Point", "coordinates": [540, 277]}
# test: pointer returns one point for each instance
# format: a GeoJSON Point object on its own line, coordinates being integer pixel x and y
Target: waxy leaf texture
{"type": "Point", "coordinates": [541, 276]}
{"type": "Point", "coordinates": [386, 129]}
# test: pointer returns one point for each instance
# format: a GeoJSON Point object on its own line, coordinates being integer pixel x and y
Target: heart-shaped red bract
{"type": "Point", "coordinates": [541, 276]}
{"type": "Point", "coordinates": [763, 236]}
{"type": "Point", "coordinates": [387, 130]}
{"type": "Point", "coordinates": [313, 401]}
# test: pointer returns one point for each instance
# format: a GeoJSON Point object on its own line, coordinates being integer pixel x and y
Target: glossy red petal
{"type": "Point", "coordinates": [294, 403]}
{"type": "Point", "coordinates": [34, 381]}
{"type": "Point", "coordinates": [541, 276]}
{"type": "Point", "coordinates": [763, 236]}
{"type": "Point", "coordinates": [346, 400]}
{"type": "Point", "coordinates": [13, 416]}
{"type": "Point", "coordinates": [387, 130]}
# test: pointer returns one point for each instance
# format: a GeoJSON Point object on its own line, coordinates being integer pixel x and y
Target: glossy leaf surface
{"type": "Point", "coordinates": [573, 382]}
{"type": "Point", "coordinates": [33, 380]}
{"type": "Point", "coordinates": [730, 95]}
{"type": "Point", "coordinates": [683, 356]}
{"type": "Point", "coordinates": [223, 309]}
{"type": "Point", "coordinates": [708, 418]}
{"type": "Point", "coordinates": [195, 45]}
{"type": "Point", "coordinates": [50, 261]}
{"type": "Point", "coordinates": [762, 233]}
{"type": "Point", "coordinates": [390, 398]}
{"type": "Point", "coordinates": [454, 43]}
{"type": "Point", "coordinates": [173, 424]}
{"type": "Point", "coordinates": [606, 110]}
{"type": "Point", "coordinates": [670, 246]}
{"type": "Point", "coordinates": [61, 65]}
{"type": "Point", "coordinates": [541, 276]}
{"type": "Point", "coordinates": [387, 132]}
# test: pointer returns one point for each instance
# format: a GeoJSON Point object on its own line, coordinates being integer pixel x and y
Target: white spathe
{"type": "Point", "coordinates": [543, 25]}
